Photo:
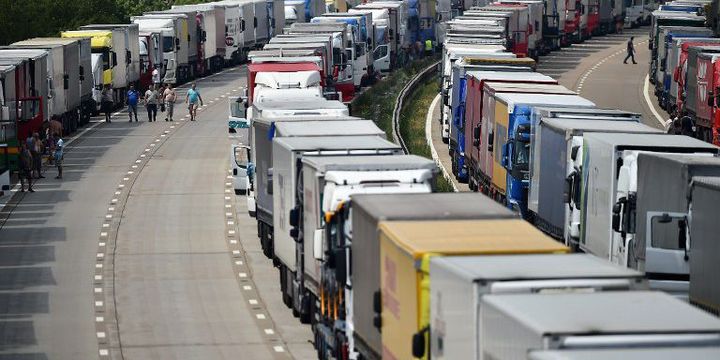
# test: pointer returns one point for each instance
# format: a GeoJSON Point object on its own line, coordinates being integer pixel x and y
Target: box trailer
{"type": "Point", "coordinates": [368, 211]}
{"type": "Point", "coordinates": [175, 43]}
{"type": "Point", "coordinates": [287, 153]}
{"type": "Point", "coordinates": [685, 353]}
{"type": "Point", "coordinates": [609, 172]}
{"type": "Point", "coordinates": [704, 227]}
{"type": "Point", "coordinates": [555, 155]}
{"type": "Point", "coordinates": [189, 37]}
{"type": "Point", "coordinates": [21, 111]}
{"type": "Point", "coordinates": [210, 20]}
{"type": "Point", "coordinates": [406, 248]}
{"type": "Point", "coordinates": [458, 284]}
{"type": "Point", "coordinates": [125, 36]}
{"type": "Point", "coordinates": [39, 75]}
{"type": "Point", "coordinates": [516, 324]}
{"type": "Point", "coordinates": [328, 184]}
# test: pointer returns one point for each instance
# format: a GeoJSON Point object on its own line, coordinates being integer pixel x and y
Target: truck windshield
{"type": "Point", "coordinates": [521, 155]}
{"type": "Point", "coordinates": [241, 157]}
{"type": "Point", "coordinates": [168, 43]}
{"type": "Point", "coordinates": [105, 53]}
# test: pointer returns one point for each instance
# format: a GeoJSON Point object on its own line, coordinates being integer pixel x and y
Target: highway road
{"type": "Point", "coordinates": [595, 70]}
{"type": "Point", "coordinates": [142, 251]}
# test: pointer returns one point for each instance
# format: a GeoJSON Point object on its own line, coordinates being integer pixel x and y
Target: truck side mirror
{"type": "Point", "coordinates": [504, 156]}
{"type": "Point", "coordinates": [682, 237]}
{"type": "Point", "coordinates": [128, 57]}
{"type": "Point", "coordinates": [294, 217]}
{"type": "Point", "coordinates": [574, 152]}
{"type": "Point", "coordinates": [113, 59]}
{"type": "Point", "coordinates": [377, 309]}
{"type": "Point", "coordinates": [617, 208]}
{"type": "Point", "coordinates": [491, 140]}
{"type": "Point", "coordinates": [177, 42]}
{"type": "Point", "coordinates": [710, 99]}
{"type": "Point", "coordinates": [318, 244]}
{"type": "Point", "coordinates": [717, 98]}
{"type": "Point", "coordinates": [270, 181]}
{"type": "Point", "coordinates": [340, 265]}
{"type": "Point", "coordinates": [66, 82]}
{"type": "Point", "coordinates": [476, 136]}
{"type": "Point", "coordinates": [204, 35]}
{"type": "Point", "coordinates": [418, 344]}
{"type": "Point", "coordinates": [82, 73]}
{"type": "Point", "coordinates": [567, 190]}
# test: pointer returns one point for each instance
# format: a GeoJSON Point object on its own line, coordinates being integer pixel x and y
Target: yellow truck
{"type": "Point", "coordinates": [405, 251]}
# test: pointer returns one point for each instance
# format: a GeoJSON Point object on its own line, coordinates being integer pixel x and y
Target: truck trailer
{"type": "Point", "coordinates": [704, 226]}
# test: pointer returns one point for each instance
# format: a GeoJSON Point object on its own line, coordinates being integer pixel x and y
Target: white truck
{"type": "Point", "coordinates": [210, 21]}
{"type": "Point", "coordinates": [287, 153]}
{"type": "Point", "coordinates": [125, 43]}
{"type": "Point", "coordinates": [237, 29]}
{"type": "Point", "coordinates": [609, 180]}
{"type": "Point", "coordinates": [515, 324]}
{"type": "Point", "coordinates": [704, 226]}
{"type": "Point", "coordinates": [455, 280]}
{"type": "Point", "coordinates": [554, 192]}
{"type": "Point", "coordinates": [189, 34]}
{"type": "Point", "coordinates": [175, 42]}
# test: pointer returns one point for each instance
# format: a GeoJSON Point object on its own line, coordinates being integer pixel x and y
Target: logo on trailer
{"type": "Point", "coordinates": [702, 83]}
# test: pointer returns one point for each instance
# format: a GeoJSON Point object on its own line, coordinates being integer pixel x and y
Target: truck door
{"type": "Point", "coordinates": [381, 57]}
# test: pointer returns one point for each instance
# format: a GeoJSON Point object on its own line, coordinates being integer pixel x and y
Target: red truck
{"type": "Point", "coordinates": [703, 99]}
{"type": "Point", "coordinates": [680, 71]}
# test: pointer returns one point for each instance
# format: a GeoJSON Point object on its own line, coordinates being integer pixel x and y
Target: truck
{"type": "Point", "coordinates": [186, 30]}
{"type": "Point", "coordinates": [554, 193]}
{"type": "Point", "coordinates": [69, 68]}
{"type": "Point", "coordinates": [329, 183]}
{"type": "Point", "coordinates": [175, 44]}
{"type": "Point", "coordinates": [236, 12]}
{"type": "Point", "coordinates": [609, 181]}
{"type": "Point", "coordinates": [125, 35]}
{"type": "Point", "coordinates": [505, 173]}
{"type": "Point", "coordinates": [676, 67]}
{"type": "Point", "coordinates": [669, 18]}
{"type": "Point", "coordinates": [106, 45]}
{"type": "Point", "coordinates": [151, 56]}
{"type": "Point", "coordinates": [605, 320]}
{"type": "Point", "coordinates": [657, 228]}
{"type": "Point", "coordinates": [287, 153]}
{"type": "Point", "coordinates": [35, 71]}
{"type": "Point", "coordinates": [519, 27]}
{"type": "Point", "coordinates": [363, 41]}
{"type": "Point", "coordinates": [687, 353]}
{"type": "Point", "coordinates": [702, 96]}
{"type": "Point", "coordinates": [300, 75]}
{"type": "Point", "coordinates": [459, 283]}
{"type": "Point", "coordinates": [687, 69]}
{"type": "Point", "coordinates": [295, 12]}
{"type": "Point", "coordinates": [658, 63]}
{"type": "Point", "coordinates": [406, 249]}
{"type": "Point", "coordinates": [210, 20]}
{"type": "Point", "coordinates": [455, 99]}
{"type": "Point", "coordinates": [362, 300]}
{"type": "Point", "coordinates": [470, 162]}
{"type": "Point", "coordinates": [390, 17]}
{"type": "Point", "coordinates": [276, 16]}
{"type": "Point", "coordinates": [535, 33]}
{"type": "Point", "coordinates": [704, 292]}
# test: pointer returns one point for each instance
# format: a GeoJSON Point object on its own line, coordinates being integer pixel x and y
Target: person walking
{"type": "Point", "coordinates": [630, 51]}
{"type": "Point", "coordinates": [192, 98]}
{"type": "Point", "coordinates": [156, 77]}
{"type": "Point", "coordinates": [106, 102]}
{"type": "Point", "coordinates": [169, 97]}
{"type": "Point", "coordinates": [25, 166]}
{"type": "Point", "coordinates": [133, 96]}
{"type": "Point", "coordinates": [36, 150]}
{"type": "Point", "coordinates": [58, 155]}
{"type": "Point", "coordinates": [151, 103]}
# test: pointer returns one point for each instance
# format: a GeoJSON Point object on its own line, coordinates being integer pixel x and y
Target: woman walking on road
{"type": "Point", "coordinates": [192, 98]}
{"type": "Point", "coordinates": [169, 97]}
{"type": "Point", "coordinates": [151, 103]}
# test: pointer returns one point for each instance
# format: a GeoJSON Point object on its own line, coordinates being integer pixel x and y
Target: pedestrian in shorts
{"type": "Point", "coordinates": [25, 167]}
{"type": "Point", "coordinates": [169, 96]}
{"type": "Point", "coordinates": [192, 98]}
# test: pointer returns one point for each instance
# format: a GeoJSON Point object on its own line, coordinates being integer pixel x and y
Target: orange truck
{"type": "Point", "coordinates": [406, 248]}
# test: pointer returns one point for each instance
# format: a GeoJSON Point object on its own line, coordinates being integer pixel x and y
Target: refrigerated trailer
{"type": "Point", "coordinates": [363, 303]}
{"type": "Point", "coordinates": [287, 153]}
{"type": "Point", "coordinates": [210, 20]}
{"type": "Point", "coordinates": [458, 284]}
{"type": "Point", "coordinates": [516, 324]}
{"type": "Point", "coordinates": [704, 229]}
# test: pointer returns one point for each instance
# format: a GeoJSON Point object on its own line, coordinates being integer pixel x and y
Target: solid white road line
{"type": "Point", "coordinates": [428, 138]}
{"type": "Point", "coordinates": [646, 90]}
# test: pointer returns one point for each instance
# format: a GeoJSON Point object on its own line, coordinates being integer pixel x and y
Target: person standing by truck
{"type": "Point", "coordinates": [151, 103]}
{"type": "Point", "coordinates": [169, 97]}
{"type": "Point", "coordinates": [25, 167]}
{"type": "Point", "coordinates": [133, 96]}
{"type": "Point", "coordinates": [192, 98]}
{"type": "Point", "coordinates": [630, 51]}
{"type": "Point", "coordinates": [106, 102]}
{"type": "Point", "coordinates": [58, 155]}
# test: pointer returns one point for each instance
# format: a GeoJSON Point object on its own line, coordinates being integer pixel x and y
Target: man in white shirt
{"type": "Point", "coordinates": [156, 77]}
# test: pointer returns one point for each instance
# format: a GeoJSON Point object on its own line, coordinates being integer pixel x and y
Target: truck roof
{"type": "Point", "coordinates": [573, 112]}
{"type": "Point", "coordinates": [288, 80]}
{"type": "Point", "coordinates": [282, 66]}
{"type": "Point", "coordinates": [46, 41]}
{"type": "Point", "coordinates": [444, 206]}
{"type": "Point", "coordinates": [472, 60]}
{"type": "Point", "coordinates": [513, 99]}
{"type": "Point", "coordinates": [302, 104]}
{"type": "Point", "coordinates": [460, 237]}
{"type": "Point", "coordinates": [602, 313]}
{"type": "Point", "coordinates": [325, 127]}
{"type": "Point", "coordinates": [307, 143]}
{"type": "Point", "coordinates": [512, 76]}
{"type": "Point", "coordinates": [636, 141]}
{"type": "Point", "coordinates": [679, 161]}
{"type": "Point", "coordinates": [708, 182]}
{"type": "Point", "coordinates": [572, 126]}
{"type": "Point", "coordinates": [668, 353]}
{"type": "Point", "coordinates": [99, 38]}
{"type": "Point", "coordinates": [499, 86]}
{"type": "Point", "coordinates": [369, 163]}
{"type": "Point", "coordinates": [546, 266]}
{"type": "Point", "coordinates": [21, 52]}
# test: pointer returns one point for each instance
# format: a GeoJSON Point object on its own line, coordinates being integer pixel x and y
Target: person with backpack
{"type": "Point", "coordinates": [133, 96]}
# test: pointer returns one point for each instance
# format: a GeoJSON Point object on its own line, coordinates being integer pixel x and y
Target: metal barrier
{"type": "Point", "coordinates": [406, 91]}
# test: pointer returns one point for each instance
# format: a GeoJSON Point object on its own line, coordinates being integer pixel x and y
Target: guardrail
{"type": "Point", "coordinates": [406, 91]}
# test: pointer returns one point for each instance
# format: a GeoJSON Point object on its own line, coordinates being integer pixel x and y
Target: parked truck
{"type": "Point", "coordinates": [328, 185]}
{"type": "Point", "coordinates": [35, 71]}
{"type": "Point", "coordinates": [676, 70]}
{"type": "Point", "coordinates": [609, 181]}
{"type": "Point", "coordinates": [703, 95]}
{"type": "Point", "coordinates": [704, 291]}
{"type": "Point", "coordinates": [210, 20]}
{"type": "Point", "coordinates": [186, 30]}
{"type": "Point", "coordinates": [606, 320]}
{"type": "Point", "coordinates": [287, 153]}
{"type": "Point", "coordinates": [666, 34]}
{"type": "Point", "coordinates": [458, 284]}
{"type": "Point", "coordinates": [406, 248]}
{"type": "Point", "coordinates": [358, 229]}
{"type": "Point", "coordinates": [175, 43]}
{"type": "Point", "coordinates": [125, 36]}
{"type": "Point", "coordinates": [555, 158]}
{"type": "Point", "coordinates": [22, 104]}
{"type": "Point", "coordinates": [646, 353]}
